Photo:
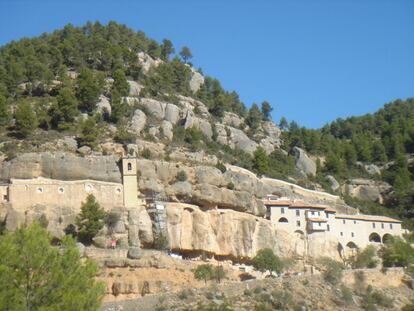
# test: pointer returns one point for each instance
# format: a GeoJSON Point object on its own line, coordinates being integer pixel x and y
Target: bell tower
{"type": "Point", "coordinates": [129, 176]}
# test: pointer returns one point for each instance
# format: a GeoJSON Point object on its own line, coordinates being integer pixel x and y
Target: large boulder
{"type": "Point", "coordinates": [172, 113]}
{"type": "Point", "coordinates": [333, 182]}
{"type": "Point", "coordinates": [239, 140]}
{"type": "Point", "coordinates": [232, 119]}
{"type": "Point", "coordinates": [103, 106]}
{"type": "Point", "coordinates": [138, 122]}
{"type": "Point", "coordinates": [303, 162]}
{"type": "Point", "coordinates": [167, 129]}
{"type": "Point", "coordinates": [367, 189]}
{"type": "Point", "coordinates": [209, 175]}
{"type": "Point", "coordinates": [134, 88]}
{"type": "Point", "coordinates": [196, 81]}
{"type": "Point", "coordinates": [155, 107]}
{"type": "Point", "coordinates": [203, 125]}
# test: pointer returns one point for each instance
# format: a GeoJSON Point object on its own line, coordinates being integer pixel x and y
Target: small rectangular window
{"type": "Point", "coordinates": [390, 226]}
{"type": "Point", "coordinates": [319, 213]}
{"type": "Point", "coordinates": [297, 212]}
{"type": "Point", "coordinates": [343, 221]}
{"type": "Point", "coordinates": [312, 213]}
{"type": "Point", "coordinates": [354, 222]}
{"type": "Point", "coordinates": [342, 234]}
{"type": "Point", "coordinates": [282, 210]}
{"type": "Point", "coordinates": [352, 234]}
{"type": "Point", "coordinates": [373, 225]}
{"type": "Point", "coordinates": [327, 227]}
{"type": "Point", "coordinates": [327, 215]}
{"type": "Point", "coordinates": [382, 225]}
{"type": "Point", "coordinates": [319, 224]}
{"type": "Point", "coordinates": [298, 223]}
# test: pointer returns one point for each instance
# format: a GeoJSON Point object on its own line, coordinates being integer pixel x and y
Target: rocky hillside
{"type": "Point", "coordinates": [73, 101]}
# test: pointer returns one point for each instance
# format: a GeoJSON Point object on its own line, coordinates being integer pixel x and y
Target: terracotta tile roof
{"type": "Point", "coordinates": [302, 204]}
{"type": "Point", "coordinates": [277, 202]}
{"type": "Point", "coordinates": [330, 210]}
{"type": "Point", "coordinates": [368, 218]}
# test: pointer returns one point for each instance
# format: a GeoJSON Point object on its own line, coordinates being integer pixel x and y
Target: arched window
{"type": "Point", "coordinates": [283, 219]}
{"type": "Point", "coordinates": [374, 237]}
{"type": "Point", "coordinates": [129, 166]}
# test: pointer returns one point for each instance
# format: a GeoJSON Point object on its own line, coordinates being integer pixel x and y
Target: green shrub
{"type": "Point", "coordinates": [373, 298]}
{"type": "Point", "coordinates": [146, 153]}
{"type": "Point", "coordinates": [266, 260]}
{"type": "Point", "coordinates": [333, 270]}
{"type": "Point", "coordinates": [181, 176]}
{"type": "Point", "coordinates": [122, 136]}
{"type": "Point", "coordinates": [397, 252]}
{"type": "Point", "coordinates": [204, 272]}
{"type": "Point", "coordinates": [230, 186]}
{"type": "Point", "coordinates": [365, 258]}
{"type": "Point", "coordinates": [161, 242]}
{"type": "Point", "coordinates": [346, 295]}
{"type": "Point", "coordinates": [221, 167]}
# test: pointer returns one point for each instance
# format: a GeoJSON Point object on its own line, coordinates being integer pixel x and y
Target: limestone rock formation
{"type": "Point", "coordinates": [63, 166]}
{"type": "Point", "coordinates": [235, 234]}
{"type": "Point", "coordinates": [196, 80]}
{"type": "Point", "coordinates": [303, 162]}
{"type": "Point", "coordinates": [103, 105]}
{"type": "Point", "coordinates": [137, 123]}
{"type": "Point", "coordinates": [239, 140]}
{"type": "Point", "coordinates": [333, 182]}
{"type": "Point", "coordinates": [134, 88]}
{"type": "Point", "coordinates": [367, 189]}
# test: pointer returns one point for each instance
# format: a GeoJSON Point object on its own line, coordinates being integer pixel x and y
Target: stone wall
{"type": "Point", "coordinates": [25, 193]}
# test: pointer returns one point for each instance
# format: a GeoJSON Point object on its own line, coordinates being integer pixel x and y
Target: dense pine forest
{"type": "Point", "coordinates": [38, 98]}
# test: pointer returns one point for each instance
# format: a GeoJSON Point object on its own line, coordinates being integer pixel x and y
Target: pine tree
{"type": "Point", "coordinates": [266, 111]}
{"type": "Point", "coordinates": [26, 121]}
{"type": "Point", "coordinates": [255, 117]}
{"type": "Point", "coordinates": [186, 54]}
{"type": "Point", "coordinates": [35, 276]}
{"type": "Point", "coordinates": [64, 111]}
{"type": "Point", "coordinates": [167, 49]}
{"type": "Point", "coordinates": [90, 219]}
{"type": "Point", "coordinates": [4, 111]}
{"type": "Point", "coordinates": [121, 84]}
{"type": "Point", "coordinates": [260, 161]}
{"type": "Point", "coordinates": [283, 123]}
{"type": "Point", "coordinates": [89, 133]}
{"type": "Point", "coordinates": [88, 89]}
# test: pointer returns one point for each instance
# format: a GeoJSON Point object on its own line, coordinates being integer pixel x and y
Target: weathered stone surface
{"type": "Point", "coordinates": [221, 134]}
{"type": "Point", "coordinates": [196, 81]}
{"type": "Point", "coordinates": [155, 107]}
{"type": "Point", "coordinates": [303, 162]}
{"type": "Point", "coordinates": [100, 241]}
{"type": "Point", "coordinates": [196, 157]}
{"type": "Point", "coordinates": [85, 150]}
{"type": "Point", "coordinates": [81, 249]}
{"type": "Point", "coordinates": [103, 105]}
{"type": "Point", "coordinates": [239, 140]}
{"type": "Point", "coordinates": [172, 113]}
{"type": "Point", "coordinates": [137, 123]}
{"type": "Point", "coordinates": [134, 253]}
{"type": "Point", "coordinates": [167, 129]}
{"type": "Point", "coordinates": [68, 143]}
{"type": "Point", "coordinates": [180, 189]}
{"type": "Point", "coordinates": [372, 169]}
{"type": "Point", "coordinates": [203, 125]}
{"type": "Point", "coordinates": [333, 182]}
{"type": "Point", "coordinates": [134, 88]}
{"type": "Point", "coordinates": [367, 189]}
{"type": "Point", "coordinates": [209, 175]}
{"type": "Point", "coordinates": [147, 61]}
{"type": "Point", "coordinates": [271, 130]}
{"type": "Point", "coordinates": [230, 233]}
{"type": "Point", "coordinates": [232, 119]}
{"type": "Point", "coordinates": [60, 165]}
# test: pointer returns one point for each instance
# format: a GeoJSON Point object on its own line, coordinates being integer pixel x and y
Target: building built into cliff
{"type": "Point", "coordinates": [352, 231]}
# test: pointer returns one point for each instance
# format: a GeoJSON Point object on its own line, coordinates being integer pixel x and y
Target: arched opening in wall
{"type": "Point", "coordinates": [340, 249]}
{"type": "Point", "coordinates": [374, 237]}
{"type": "Point", "coordinates": [61, 190]}
{"type": "Point", "coordinates": [283, 219]}
{"type": "Point", "coordinates": [39, 190]}
{"type": "Point", "coordinates": [386, 238]}
{"type": "Point", "coordinates": [299, 233]}
{"type": "Point", "coordinates": [129, 166]}
{"type": "Point", "coordinates": [351, 249]}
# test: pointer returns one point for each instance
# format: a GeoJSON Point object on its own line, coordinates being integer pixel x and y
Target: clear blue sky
{"type": "Point", "coordinates": [313, 60]}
